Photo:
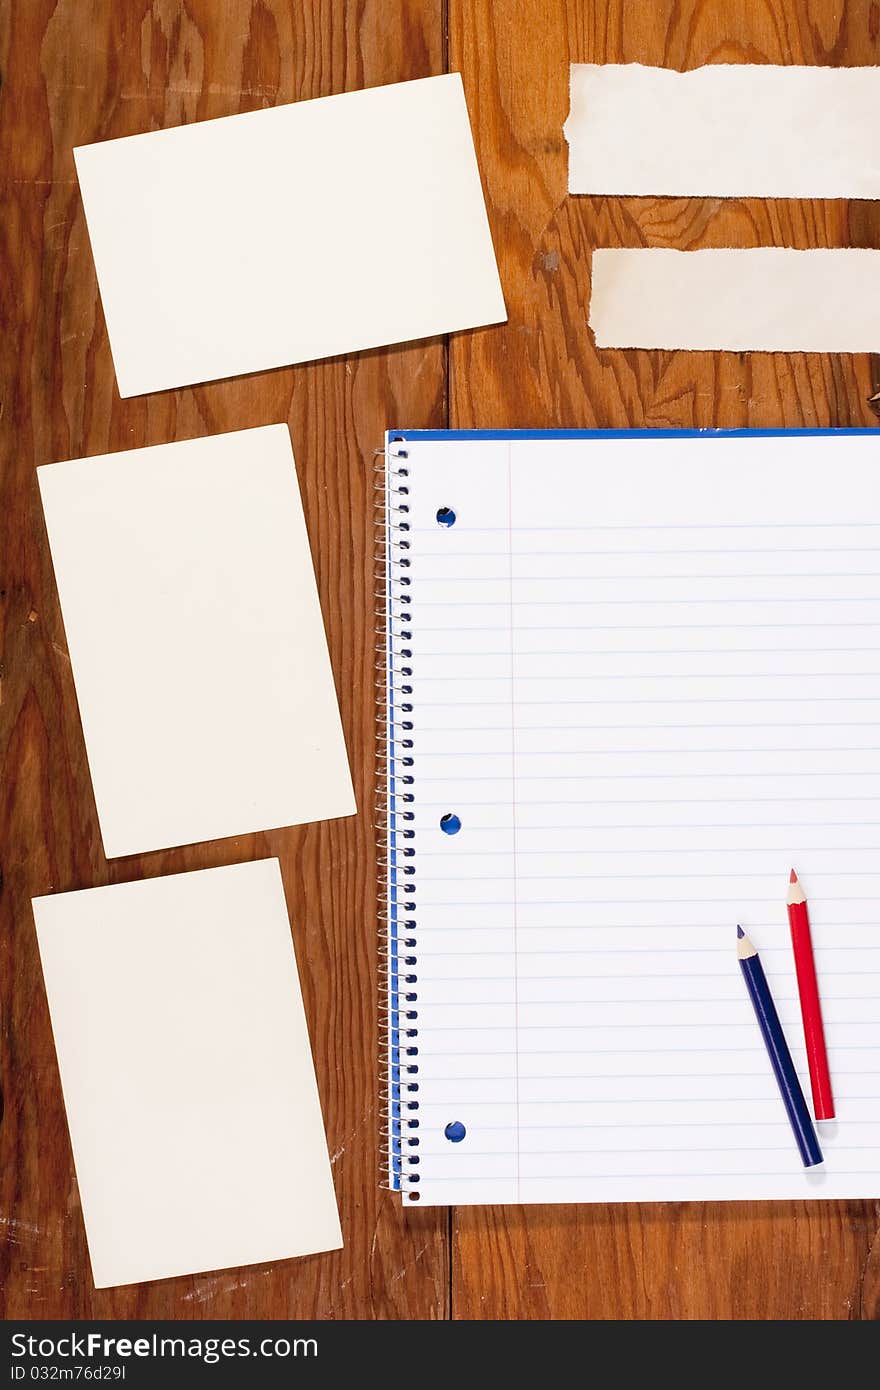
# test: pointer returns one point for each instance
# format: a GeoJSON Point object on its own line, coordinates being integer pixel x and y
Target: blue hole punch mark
{"type": "Point", "coordinates": [446, 516]}
{"type": "Point", "coordinates": [455, 1132]}
{"type": "Point", "coordinates": [450, 824]}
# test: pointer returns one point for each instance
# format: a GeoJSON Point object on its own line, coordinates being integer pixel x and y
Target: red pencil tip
{"type": "Point", "coordinates": [794, 877]}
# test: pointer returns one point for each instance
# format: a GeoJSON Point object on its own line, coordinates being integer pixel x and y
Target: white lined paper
{"type": "Point", "coordinates": [643, 721]}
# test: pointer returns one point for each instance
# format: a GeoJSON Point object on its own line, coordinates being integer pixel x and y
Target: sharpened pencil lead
{"type": "Point", "coordinates": [745, 947]}
{"type": "Point", "coordinates": [794, 877]}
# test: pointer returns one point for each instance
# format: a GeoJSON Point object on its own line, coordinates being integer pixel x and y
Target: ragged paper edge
{"type": "Point", "coordinates": [812, 187]}
{"type": "Point", "coordinates": [859, 330]}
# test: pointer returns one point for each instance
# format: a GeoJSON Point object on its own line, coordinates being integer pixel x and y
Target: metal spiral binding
{"type": "Point", "coordinates": [395, 782]}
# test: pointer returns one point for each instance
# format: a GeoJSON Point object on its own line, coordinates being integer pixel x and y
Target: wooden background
{"type": "Point", "coordinates": [80, 70]}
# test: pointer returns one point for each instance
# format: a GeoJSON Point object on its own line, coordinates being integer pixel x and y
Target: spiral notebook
{"type": "Point", "coordinates": [632, 678]}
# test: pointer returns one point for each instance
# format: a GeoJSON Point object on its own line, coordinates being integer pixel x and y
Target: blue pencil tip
{"type": "Point", "coordinates": [740, 932]}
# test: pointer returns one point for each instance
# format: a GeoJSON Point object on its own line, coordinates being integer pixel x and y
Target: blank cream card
{"type": "Point", "coordinates": [187, 1075]}
{"type": "Point", "coordinates": [288, 234]}
{"type": "Point", "coordinates": [195, 635]}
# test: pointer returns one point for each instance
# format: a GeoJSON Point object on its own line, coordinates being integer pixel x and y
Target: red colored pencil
{"type": "Point", "coordinates": [811, 1009]}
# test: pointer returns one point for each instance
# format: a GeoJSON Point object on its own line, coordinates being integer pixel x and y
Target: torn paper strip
{"type": "Point", "coordinates": [725, 130]}
{"type": "Point", "coordinates": [764, 299]}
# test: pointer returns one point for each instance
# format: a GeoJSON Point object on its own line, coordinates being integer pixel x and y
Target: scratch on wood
{"type": "Point", "coordinates": [867, 1287]}
{"type": "Point", "coordinates": [215, 1286]}
{"type": "Point", "coordinates": [407, 1265]}
{"type": "Point", "coordinates": [195, 89]}
{"type": "Point", "coordinates": [15, 1226]}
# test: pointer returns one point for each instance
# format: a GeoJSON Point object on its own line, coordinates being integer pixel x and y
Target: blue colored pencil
{"type": "Point", "coordinates": [777, 1048]}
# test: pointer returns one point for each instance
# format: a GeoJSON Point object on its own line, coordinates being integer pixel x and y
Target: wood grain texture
{"type": "Point", "coordinates": [75, 71]}
{"type": "Point", "coordinates": [80, 70]}
{"type": "Point", "coordinates": [777, 1260]}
